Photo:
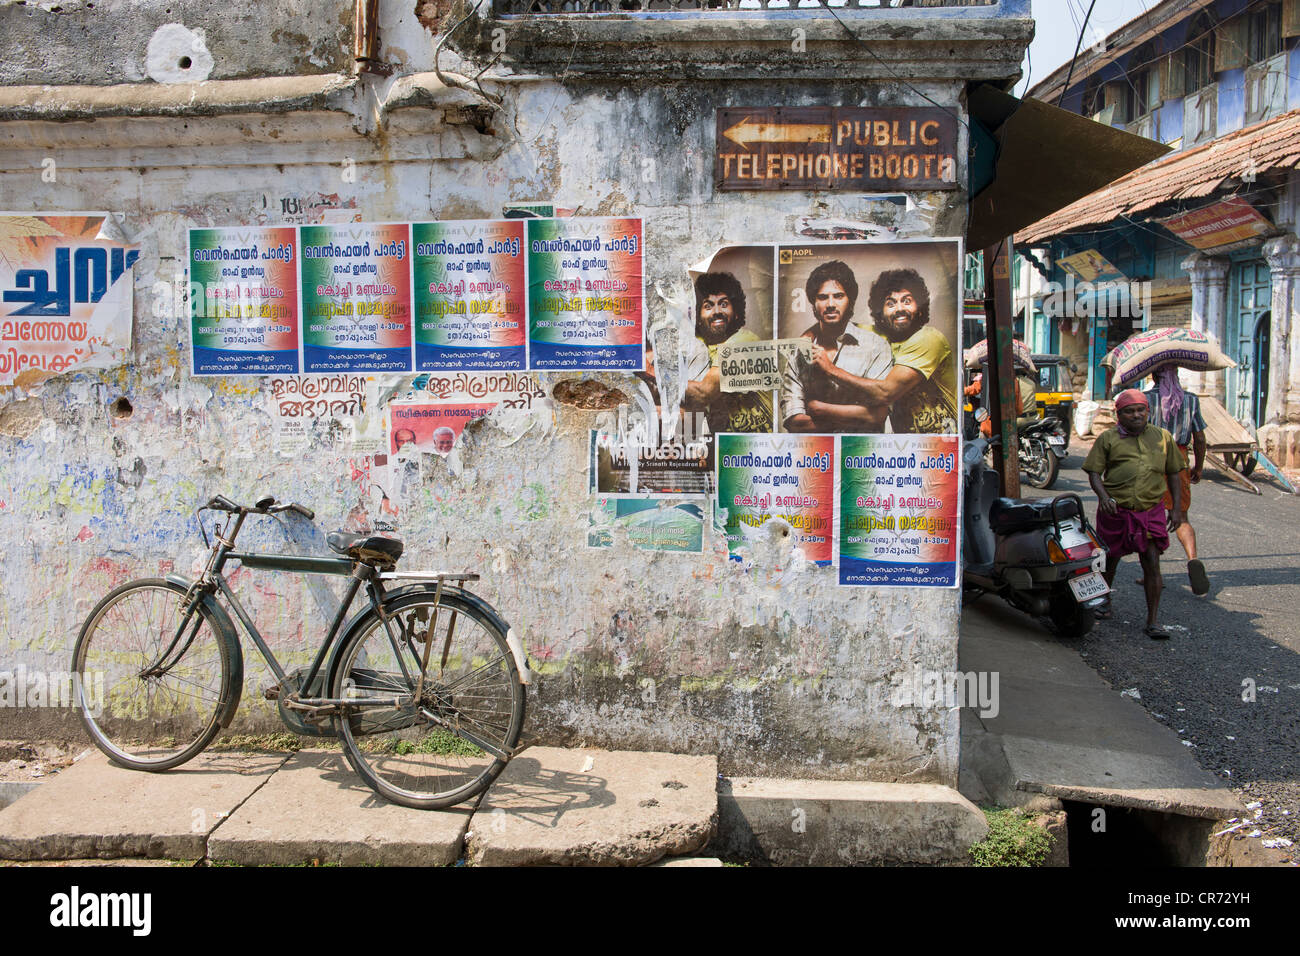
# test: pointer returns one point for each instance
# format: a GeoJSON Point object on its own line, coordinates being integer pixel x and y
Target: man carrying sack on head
{"type": "Point", "coordinates": [1179, 413]}
{"type": "Point", "coordinates": [1130, 468]}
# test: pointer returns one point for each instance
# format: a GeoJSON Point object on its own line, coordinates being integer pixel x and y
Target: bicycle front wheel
{"type": "Point", "coordinates": [144, 712]}
{"type": "Point", "coordinates": [449, 743]}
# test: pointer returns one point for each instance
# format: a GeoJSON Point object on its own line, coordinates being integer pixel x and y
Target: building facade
{"type": "Point", "coordinates": [180, 115]}
{"type": "Point", "coordinates": [1205, 237]}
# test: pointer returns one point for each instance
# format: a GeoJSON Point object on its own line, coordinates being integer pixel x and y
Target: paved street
{"type": "Point", "coordinates": [1247, 629]}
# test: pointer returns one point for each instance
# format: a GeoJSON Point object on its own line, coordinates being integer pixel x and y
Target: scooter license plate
{"type": "Point", "coordinates": [1055, 440]}
{"type": "Point", "coordinates": [1088, 586]}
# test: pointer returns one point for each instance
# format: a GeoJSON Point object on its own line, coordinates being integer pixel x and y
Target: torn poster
{"type": "Point", "coordinates": [315, 411]}
{"type": "Point", "coordinates": [733, 307]}
{"type": "Point", "coordinates": [430, 427]}
{"type": "Point", "coordinates": [648, 524]}
{"type": "Point", "coordinates": [67, 295]}
{"type": "Point", "coordinates": [637, 463]}
{"type": "Point", "coordinates": [790, 476]}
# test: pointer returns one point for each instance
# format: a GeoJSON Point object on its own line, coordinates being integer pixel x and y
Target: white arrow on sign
{"type": "Point", "coordinates": [746, 132]}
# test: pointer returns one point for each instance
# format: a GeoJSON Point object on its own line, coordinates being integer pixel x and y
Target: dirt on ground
{"type": "Point", "coordinates": [27, 760]}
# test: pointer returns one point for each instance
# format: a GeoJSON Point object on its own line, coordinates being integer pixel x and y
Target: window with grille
{"type": "Point", "coordinates": [1198, 56]}
{"type": "Point", "coordinates": [1264, 32]}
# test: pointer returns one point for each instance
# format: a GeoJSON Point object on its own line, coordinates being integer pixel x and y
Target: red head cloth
{"type": "Point", "coordinates": [1130, 396]}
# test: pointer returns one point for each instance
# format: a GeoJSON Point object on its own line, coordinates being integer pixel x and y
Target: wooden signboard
{"type": "Point", "coordinates": [864, 149]}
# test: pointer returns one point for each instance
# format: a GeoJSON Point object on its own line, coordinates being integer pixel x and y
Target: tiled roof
{"type": "Point", "coordinates": [1196, 172]}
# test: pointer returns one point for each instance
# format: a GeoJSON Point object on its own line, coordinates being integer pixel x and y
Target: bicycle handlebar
{"type": "Point", "coordinates": [264, 506]}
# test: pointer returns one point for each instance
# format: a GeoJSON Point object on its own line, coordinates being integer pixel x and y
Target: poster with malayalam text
{"type": "Point", "coordinates": [431, 427]}
{"type": "Point", "coordinates": [786, 476]}
{"type": "Point", "coordinates": [356, 298]}
{"type": "Point", "coordinates": [470, 296]}
{"type": "Point", "coordinates": [585, 294]}
{"type": "Point", "coordinates": [244, 300]}
{"type": "Point", "coordinates": [67, 295]}
{"type": "Point", "coordinates": [899, 510]}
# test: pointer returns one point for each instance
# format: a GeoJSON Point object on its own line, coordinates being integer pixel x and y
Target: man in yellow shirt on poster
{"type": "Point", "coordinates": [921, 387]}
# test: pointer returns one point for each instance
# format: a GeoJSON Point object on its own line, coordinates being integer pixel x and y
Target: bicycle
{"type": "Point", "coordinates": [428, 715]}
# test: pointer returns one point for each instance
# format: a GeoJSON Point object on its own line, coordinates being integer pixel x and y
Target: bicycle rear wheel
{"type": "Point", "coordinates": [161, 720]}
{"type": "Point", "coordinates": [452, 744]}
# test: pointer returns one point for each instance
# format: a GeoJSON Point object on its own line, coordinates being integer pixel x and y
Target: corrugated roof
{"type": "Point", "coordinates": [1191, 174]}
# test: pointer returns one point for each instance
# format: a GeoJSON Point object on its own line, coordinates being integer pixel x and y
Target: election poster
{"type": "Point", "coordinates": [244, 317]}
{"type": "Point", "coordinates": [427, 427]}
{"type": "Point", "coordinates": [648, 524]}
{"type": "Point", "coordinates": [356, 298]}
{"type": "Point", "coordinates": [899, 510]}
{"type": "Point", "coordinates": [786, 476]}
{"type": "Point", "coordinates": [882, 322]}
{"type": "Point", "coordinates": [470, 296]}
{"type": "Point", "coordinates": [586, 295]}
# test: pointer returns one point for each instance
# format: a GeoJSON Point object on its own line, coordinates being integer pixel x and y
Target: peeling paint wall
{"type": "Point", "coordinates": [126, 41]}
{"type": "Point", "coordinates": [770, 665]}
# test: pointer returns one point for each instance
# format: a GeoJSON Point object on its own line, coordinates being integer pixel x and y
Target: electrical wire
{"type": "Point", "coordinates": [1077, 47]}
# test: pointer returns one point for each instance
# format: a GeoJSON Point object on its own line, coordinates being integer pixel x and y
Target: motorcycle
{"type": "Point", "coordinates": [1041, 556]}
{"type": "Point", "coordinates": [1043, 446]}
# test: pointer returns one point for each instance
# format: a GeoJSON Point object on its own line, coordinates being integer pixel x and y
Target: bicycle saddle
{"type": "Point", "coordinates": [367, 548]}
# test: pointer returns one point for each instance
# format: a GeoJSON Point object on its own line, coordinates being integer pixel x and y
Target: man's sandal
{"type": "Point", "coordinates": [1196, 574]}
{"type": "Point", "coordinates": [1156, 632]}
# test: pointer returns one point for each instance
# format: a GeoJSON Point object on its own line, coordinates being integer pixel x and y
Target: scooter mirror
{"type": "Point", "coordinates": [981, 414]}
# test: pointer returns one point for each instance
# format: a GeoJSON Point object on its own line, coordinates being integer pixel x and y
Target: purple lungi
{"type": "Point", "coordinates": [1130, 532]}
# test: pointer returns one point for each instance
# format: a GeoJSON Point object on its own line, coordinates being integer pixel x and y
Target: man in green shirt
{"type": "Point", "coordinates": [1130, 468]}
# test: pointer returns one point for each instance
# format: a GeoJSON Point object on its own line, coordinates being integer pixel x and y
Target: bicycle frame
{"type": "Point", "coordinates": [212, 581]}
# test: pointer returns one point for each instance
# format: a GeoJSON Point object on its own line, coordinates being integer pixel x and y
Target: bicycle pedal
{"type": "Point", "coordinates": [271, 692]}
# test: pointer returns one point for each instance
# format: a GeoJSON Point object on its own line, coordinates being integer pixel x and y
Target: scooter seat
{"type": "Point", "coordinates": [1008, 515]}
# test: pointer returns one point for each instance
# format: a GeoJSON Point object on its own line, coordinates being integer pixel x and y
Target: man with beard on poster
{"type": "Point", "coordinates": [813, 395]}
{"type": "Point", "coordinates": [920, 388]}
{"type": "Point", "coordinates": [720, 319]}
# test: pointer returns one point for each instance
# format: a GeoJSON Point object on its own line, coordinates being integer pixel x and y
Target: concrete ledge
{"type": "Point", "coordinates": [595, 808]}
{"type": "Point", "coordinates": [316, 808]}
{"type": "Point", "coordinates": [96, 809]}
{"type": "Point", "coordinates": [280, 94]}
{"type": "Point", "coordinates": [727, 46]}
{"type": "Point", "coordinates": [836, 823]}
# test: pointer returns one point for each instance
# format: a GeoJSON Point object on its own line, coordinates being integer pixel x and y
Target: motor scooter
{"type": "Point", "coordinates": [1043, 446]}
{"type": "Point", "coordinates": [1041, 556]}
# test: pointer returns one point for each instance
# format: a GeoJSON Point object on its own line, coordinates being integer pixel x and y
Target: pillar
{"type": "Point", "coordinates": [1280, 435]}
{"type": "Point", "coordinates": [1209, 277]}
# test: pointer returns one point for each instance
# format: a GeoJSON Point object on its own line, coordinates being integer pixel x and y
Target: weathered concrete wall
{"type": "Point", "coordinates": [123, 41]}
{"type": "Point", "coordinates": [770, 665]}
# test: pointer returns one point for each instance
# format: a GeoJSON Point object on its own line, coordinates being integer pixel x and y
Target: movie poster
{"type": "Point", "coordinates": [885, 345]}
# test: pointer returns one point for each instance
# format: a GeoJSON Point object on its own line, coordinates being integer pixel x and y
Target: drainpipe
{"type": "Point", "coordinates": [365, 50]}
